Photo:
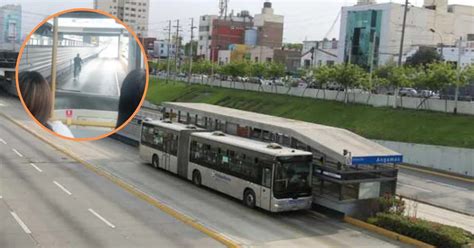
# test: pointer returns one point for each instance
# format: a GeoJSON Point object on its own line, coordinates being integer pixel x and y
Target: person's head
{"type": "Point", "coordinates": [78, 55]}
{"type": "Point", "coordinates": [36, 94]}
{"type": "Point", "coordinates": [131, 94]}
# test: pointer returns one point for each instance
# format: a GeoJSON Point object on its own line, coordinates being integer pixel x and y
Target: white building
{"type": "Point", "coordinates": [374, 30]}
{"type": "Point", "coordinates": [133, 12]}
{"type": "Point", "coordinates": [161, 49]}
{"type": "Point", "coordinates": [451, 54]}
{"type": "Point", "coordinates": [319, 53]}
{"type": "Point", "coordinates": [205, 35]}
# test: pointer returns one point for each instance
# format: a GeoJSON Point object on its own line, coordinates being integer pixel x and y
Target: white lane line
{"type": "Point", "coordinates": [117, 83]}
{"type": "Point", "coordinates": [414, 187]}
{"type": "Point", "coordinates": [3, 141]}
{"type": "Point", "coordinates": [448, 185]}
{"type": "Point", "coordinates": [21, 223]}
{"type": "Point", "coordinates": [17, 152]}
{"type": "Point", "coordinates": [101, 218]}
{"type": "Point", "coordinates": [1, 197]}
{"type": "Point", "coordinates": [36, 167]}
{"type": "Point", "coordinates": [62, 187]}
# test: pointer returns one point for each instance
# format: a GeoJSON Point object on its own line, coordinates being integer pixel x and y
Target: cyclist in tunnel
{"type": "Point", "coordinates": [77, 65]}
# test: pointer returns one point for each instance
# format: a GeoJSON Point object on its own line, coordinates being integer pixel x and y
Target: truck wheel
{"type": "Point", "coordinates": [249, 198]}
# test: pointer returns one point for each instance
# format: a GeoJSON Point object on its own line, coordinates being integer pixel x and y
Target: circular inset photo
{"type": "Point", "coordinates": [82, 74]}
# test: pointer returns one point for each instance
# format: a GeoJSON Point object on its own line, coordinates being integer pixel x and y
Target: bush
{"type": "Point", "coordinates": [429, 232]}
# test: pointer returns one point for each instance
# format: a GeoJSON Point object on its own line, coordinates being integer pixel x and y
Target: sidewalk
{"type": "Point", "coordinates": [443, 216]}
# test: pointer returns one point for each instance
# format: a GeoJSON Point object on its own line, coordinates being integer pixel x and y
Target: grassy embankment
{"type": "Point", "coordinates": [375, 123]}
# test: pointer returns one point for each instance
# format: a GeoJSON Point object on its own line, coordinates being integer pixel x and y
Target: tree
{"type": "Point", "coordinates": [275, 70]}
{"type": "Point", "coordinates": [295, 46]}
{"type": "Point", "coordinates": [395, 76]}
{"type": "Point", "coordinates": [187, 48]}
{"type": "Point", "coordinates": [439, 75]}
{"type": "Point", "coordinates": [424, 56]}
{"type": "Point", "coordinates": [258, 70]}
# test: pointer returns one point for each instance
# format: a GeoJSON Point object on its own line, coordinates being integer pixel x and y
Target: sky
{"type": "Point", "coordinates": [304, 19]}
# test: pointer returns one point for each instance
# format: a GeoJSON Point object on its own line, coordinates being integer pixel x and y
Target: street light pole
{"type": "Point", "coordinates": [441, 39]}
{"type": "Point", "coordinates": [458, 76]}
{"type": "Point", "coordinates": [400, 53]}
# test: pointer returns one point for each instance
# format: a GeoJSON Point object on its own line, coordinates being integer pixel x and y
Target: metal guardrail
{"type": "Point", "coordinates": [37, 58]}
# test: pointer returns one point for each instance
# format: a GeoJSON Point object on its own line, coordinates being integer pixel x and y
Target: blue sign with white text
{"type": "Point", "coordinates": [378, 159]}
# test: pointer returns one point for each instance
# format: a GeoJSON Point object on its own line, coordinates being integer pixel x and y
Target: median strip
{"type": "Point", "coordinates": [386, 233]}
{"type": "Point", "coordinates": [133, 190]}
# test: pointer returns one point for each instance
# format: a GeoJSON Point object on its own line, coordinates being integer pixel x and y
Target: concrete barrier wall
{"type": "Point", "coordinates": [452, 159]}
{"type": "Point", "coordinates": [375, 100]}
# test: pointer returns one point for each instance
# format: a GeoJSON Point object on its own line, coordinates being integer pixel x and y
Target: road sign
{"type": "Point", "coordinates": [377, 159]}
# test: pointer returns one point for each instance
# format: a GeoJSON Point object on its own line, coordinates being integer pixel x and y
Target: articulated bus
{"type": "Point", "coordinates": [263, 175]}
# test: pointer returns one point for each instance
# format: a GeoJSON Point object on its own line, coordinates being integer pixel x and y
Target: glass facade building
{"type": "Point", "coordinates": [362, 37]}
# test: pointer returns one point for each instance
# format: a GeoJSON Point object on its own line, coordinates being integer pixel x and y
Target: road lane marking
{"type": "Point", "coordinates": [21, 223]}
{"type": "Point", "coordinates": [3, 141]}
{"type": "Point", "coordinates": [117, 84]}
{"type": "Point", "coordinates": [62, 187]}
{"type": "Point", "coordinates": [1, 197]}
{"type": "Point", "coordinates": [101, 218]}
{"type": "Point", "coordinates": [413, 187]}
{"type": "Point", "coordinates": [36, 167]}
{"type": "Point", "coordinates": [17, 152]}
{"type": "Point", "coordinates": [186, 219]}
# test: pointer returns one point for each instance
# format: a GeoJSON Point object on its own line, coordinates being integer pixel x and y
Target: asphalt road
{"type": "Point", "coordinates": [57, 219]}
{"type": "Point", "coordinates": [48, 200]}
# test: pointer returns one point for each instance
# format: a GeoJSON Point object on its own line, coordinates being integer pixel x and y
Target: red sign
{"type": "Point", "coordinates": [68, 113]}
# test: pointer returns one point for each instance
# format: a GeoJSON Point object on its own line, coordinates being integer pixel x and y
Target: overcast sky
{"type": "Point", "coordinates": [304, 19]}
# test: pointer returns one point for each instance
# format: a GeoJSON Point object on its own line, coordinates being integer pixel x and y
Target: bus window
{"type": "Point", "coordinates": [292, 178]}
{"type": "Point", "coordinates": [267, 177]}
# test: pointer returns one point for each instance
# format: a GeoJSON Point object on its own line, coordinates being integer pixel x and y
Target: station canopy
{"type": "Point", "coordinates": [330, 141]}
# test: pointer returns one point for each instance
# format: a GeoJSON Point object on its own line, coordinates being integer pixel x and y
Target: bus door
{"type": "Point", "coordinates": [166, 157]}
{"type": "Point", "coordinates": [265, 190]}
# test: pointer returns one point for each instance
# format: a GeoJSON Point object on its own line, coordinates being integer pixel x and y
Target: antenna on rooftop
{"type": "Point", "coordinates": [223, 8]}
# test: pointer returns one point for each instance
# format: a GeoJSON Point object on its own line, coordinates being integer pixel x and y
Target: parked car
{"type": "Point", "coordinates": [408, 92]}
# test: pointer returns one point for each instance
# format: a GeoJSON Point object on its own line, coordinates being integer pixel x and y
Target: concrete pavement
{"type": "Point", "coordinates": [226, 215]}
{"type": "Point", "coordinates": [51, 201]}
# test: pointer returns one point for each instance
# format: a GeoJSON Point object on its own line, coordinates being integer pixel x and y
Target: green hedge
{"type": "Point", "coordinates": [429, 232]}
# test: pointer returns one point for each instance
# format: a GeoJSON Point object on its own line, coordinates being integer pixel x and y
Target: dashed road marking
{"type": "Point", "coordinates": [3, 141]}
{"type": "Point", "coordinates": [21, 223]}
{"type": "Point", "coordinates": [36, 167]}
{"type": "Point", "coordinates": [62, 188]}
{"type": "Point", "coordinates": [101, 218]}
{"type": "Point", "coordinates": [117, 84]}
{"type": "Point", "coordinates": [17, 152]}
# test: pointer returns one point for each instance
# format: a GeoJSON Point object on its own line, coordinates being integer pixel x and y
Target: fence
{"type": "Point", "coordinates": [354, 96]}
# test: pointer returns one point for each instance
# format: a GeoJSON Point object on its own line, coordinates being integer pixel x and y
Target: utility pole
{"type": "Point", "coordinates": [191, 51]}
{"type": "Point", "coordinates": [400, 53]}
{"type": "Point", "coordinates": [168, 52]}
{"type": "Point", "coordinates": [54, 56]}
{"type": "Point", "coordinates": [176, 53]}
{"type": "Point", "coordinates": [372, 57]}
{"type": "Point", "coordinates": [458, 76]}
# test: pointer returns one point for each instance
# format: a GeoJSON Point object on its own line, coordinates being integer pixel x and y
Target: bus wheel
{"type": "Point", "coordinates": [249, 198]}
{"type": "Point", "coordinates": [154, 161]}
{"type": "Point", "coordinates": [197, 178]}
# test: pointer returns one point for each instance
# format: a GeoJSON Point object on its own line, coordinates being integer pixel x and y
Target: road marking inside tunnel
{"type": "Point", "coordinates": [1, 197]}
{"type": "Point", "coordinates": [21, 223]}
{"type": "Point", "coordinates": [36, 167]}
{"type": "Point", "coordinates": [413, 187]}
{"type": "Point", "coordinates": [62, 188]}
{"type": "Point", "coordinates": [117, 84]}
{"type": "Point", "coordinates": [3, 141]}
{"type": "Point", "coordinates": [17, 152]}
{"type": "Point", "coordinates": [101, 218]}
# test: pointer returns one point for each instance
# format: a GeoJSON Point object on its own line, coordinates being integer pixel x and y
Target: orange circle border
{"type": "Point", "coordinates": [130, 31]}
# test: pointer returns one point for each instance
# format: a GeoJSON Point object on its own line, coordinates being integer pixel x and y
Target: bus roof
{"type": "Point", "coordinates": [176, 126]}
{"type": "Point", "coordinates": [329, 140]}
{"type": "Point", "coordinates": [247, 143]}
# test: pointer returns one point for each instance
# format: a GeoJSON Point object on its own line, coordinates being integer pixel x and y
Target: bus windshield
{"type": "Point", "coordinates": [292, 178]}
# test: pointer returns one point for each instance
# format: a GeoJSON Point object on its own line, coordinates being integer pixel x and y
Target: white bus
{"type": "Point", "coordinates": [260, 174]}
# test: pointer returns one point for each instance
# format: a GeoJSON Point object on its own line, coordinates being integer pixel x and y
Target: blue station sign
{"type": "Point", "coordinates": [378, 159]}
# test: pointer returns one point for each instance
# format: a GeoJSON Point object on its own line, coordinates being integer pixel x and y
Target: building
{"type": "Point", "coordinates": [133, 12]}
{"type": "Point", "coordinates": [261, 54]}
{"type": "Point", "coordinates": [269, 27]}
{"type": "Point", "coordinates": [149, 45]}
{"type": "Point", "coordinates": [10, 27]}
{"type": "Point", "coordinates": [229, 31]}
{"type": "Point", "coordinates": [319, 53]}
{"type": "Point", "coordinates": [371, 33]}
{"type": "Point", "coordinates": [160, 49]}
{"type": "Point", "coordinates": [205, 36]}
{"type": "Point", "coordinates": [291, 59]}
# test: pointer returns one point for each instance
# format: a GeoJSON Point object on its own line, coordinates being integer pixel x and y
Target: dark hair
{"type": "Point", "coordinates": [130, 94]}
{"type": "Point", "coordinates": [36, 94]}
